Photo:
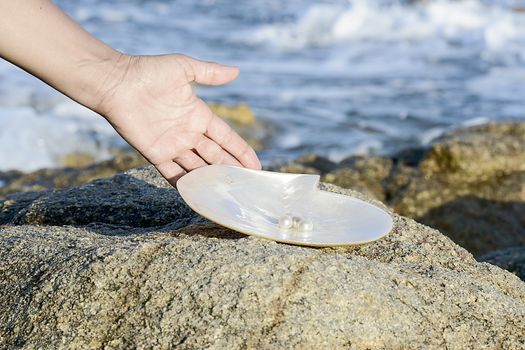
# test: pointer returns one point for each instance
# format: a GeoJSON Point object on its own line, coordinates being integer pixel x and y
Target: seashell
{"type": "Point", "coordinates": [283, 207]}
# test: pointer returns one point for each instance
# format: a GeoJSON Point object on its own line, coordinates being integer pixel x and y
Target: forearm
{"type": "Point", "coordinates": [38, 37]}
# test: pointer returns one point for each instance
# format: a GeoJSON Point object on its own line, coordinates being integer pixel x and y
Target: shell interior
{"type": "Point", "coordinates": [254, 201]}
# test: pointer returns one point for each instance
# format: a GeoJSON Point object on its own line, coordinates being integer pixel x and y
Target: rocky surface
{"type": "Point", "coordinates": [46, 179]}
{"type": "Point", "coordinates": [123, 263]}
{"type": "Point", "coordinates": [469, 184]}
{"type": "Point", "coordinates": [512, 259]}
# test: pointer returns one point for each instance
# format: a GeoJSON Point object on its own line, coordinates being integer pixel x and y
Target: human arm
{"type": "Point", "coordinates": [149, 100]}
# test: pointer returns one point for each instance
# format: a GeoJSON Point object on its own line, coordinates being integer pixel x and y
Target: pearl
{"type": "Point", "coordinates": [305, 225]}
{"type": "Point", "coordinates": [285, 222]}
{"type": "Point", "coordinates": [295, 221]}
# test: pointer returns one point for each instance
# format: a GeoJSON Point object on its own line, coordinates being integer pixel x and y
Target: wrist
{"type": "Point", "coordinates": [102, 74]}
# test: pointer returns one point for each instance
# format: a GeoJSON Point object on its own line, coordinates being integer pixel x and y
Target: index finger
{"type": "Point", "coordinates": [220, 132]}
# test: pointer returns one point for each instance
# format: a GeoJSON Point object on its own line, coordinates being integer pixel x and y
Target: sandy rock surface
{"type": "Point", "coordinates": [145, 271]}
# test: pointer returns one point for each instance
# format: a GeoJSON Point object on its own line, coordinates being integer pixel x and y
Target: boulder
{"type": "Point", "coordinates": [364, 174]}
{"type": "Point", "coordinates": [123, 263]}
{"type": "Point", "coordinates": [511, 259]}
{"type": "Point", "coordinates": [470, 185]}
{"type": "Point", "coordinates": [46, 179]}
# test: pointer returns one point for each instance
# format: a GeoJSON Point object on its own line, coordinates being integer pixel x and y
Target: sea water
{"type": "Point", "coordinates": [334, 77]}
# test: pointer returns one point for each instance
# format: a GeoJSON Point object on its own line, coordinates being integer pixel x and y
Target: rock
{"type": "Point", "coordinates": [240, 114]}
{"type": "Point", "coordinates": [478, 153]}
{"type": "Point", "coordinates": [145, 272]}
{"type": "Point", "coordinates": [512, 259]}
{"type": "Point", "coordinates": [123, 200]}
{"type": "Point", "coordinates": [77, 160]}
{"type": "Point", "coordinates": [308, 164]}
{"type": "Point", "coordinates": [364, 174]}
{"type": "Point", "coordinates": [46, 179]}
{"type": "Point", "coordinates": [242, 119]}
{"type": "Point", "coordinates": [471, 186]}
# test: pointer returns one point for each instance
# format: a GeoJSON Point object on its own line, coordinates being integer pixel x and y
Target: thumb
{"type": "Point", "coordinates": [210, 73]}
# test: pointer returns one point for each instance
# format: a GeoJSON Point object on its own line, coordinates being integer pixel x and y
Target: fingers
{"type": "Point", "coordinates": [171, 171]}
{"type": "Point", "coordinates": [214, 154]}
{"type": "Point", "coordinates": [210, 73]}
{"type": "Point", "coordinates": [189, 161]}
{"type": "Point", "coordinates": [220, 132]}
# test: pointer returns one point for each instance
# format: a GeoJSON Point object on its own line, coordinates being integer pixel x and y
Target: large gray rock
{"type": "Point", "coordinates": [119, 279]}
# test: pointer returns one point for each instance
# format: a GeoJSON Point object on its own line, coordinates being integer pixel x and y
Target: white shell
{"type": "Point", "coordinates": [254, 202]}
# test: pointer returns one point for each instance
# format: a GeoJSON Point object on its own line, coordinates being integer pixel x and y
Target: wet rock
{"type": "Point", "coordinates": [511, 259]}
{"type": "Point", "coordinates": [471, 186]}
{"type": "Point", "coordinates": [308, 164]}
{"type": "Point", "coordinates": [364, 174]}
{"type": "Point", "coordinates": [46, 179]}
{"type": "Point", "coordinates": [174, 280]}
{"type": "Point", "coordinates": [122, 200]}
{"type": "Point", "coordinates": [242, 119]}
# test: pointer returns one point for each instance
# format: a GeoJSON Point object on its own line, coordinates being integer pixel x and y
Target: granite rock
{"type": "Point", "coordinates": [511, 259]}
{"type": "Point", "coordinates": [116, 278]}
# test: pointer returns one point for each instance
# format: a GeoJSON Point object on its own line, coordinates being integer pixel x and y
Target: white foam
{"type": "Point", "coordinates": [289, 140]}
{"type": "Point", "coordinates": [30, 141]}
{"type": "Point", "coordinates": [491, 26]}
{"type": "Point", "coordinates": [475, 121]}
{"type": "Point", "coordinates": [429, 135]}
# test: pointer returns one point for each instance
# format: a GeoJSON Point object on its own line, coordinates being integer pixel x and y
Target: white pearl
{"type": "Point", "coordinates": [285, 222]}
{"type": "Point", "coordinates": [296, 221]}
{"type": "Point", "coordinates": [305, 225]}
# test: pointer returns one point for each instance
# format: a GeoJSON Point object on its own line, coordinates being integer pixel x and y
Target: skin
{"type": "Point", "coordinates": [149, 100]}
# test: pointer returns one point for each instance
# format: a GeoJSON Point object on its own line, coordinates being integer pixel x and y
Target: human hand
{"type": "Point", "coordinates": [149, 100]}
{"type": "Point", "coordinates": [152, 105]}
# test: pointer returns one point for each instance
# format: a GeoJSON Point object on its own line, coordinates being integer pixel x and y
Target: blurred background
{"type": "Point", "coordinates": [334, 78]}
